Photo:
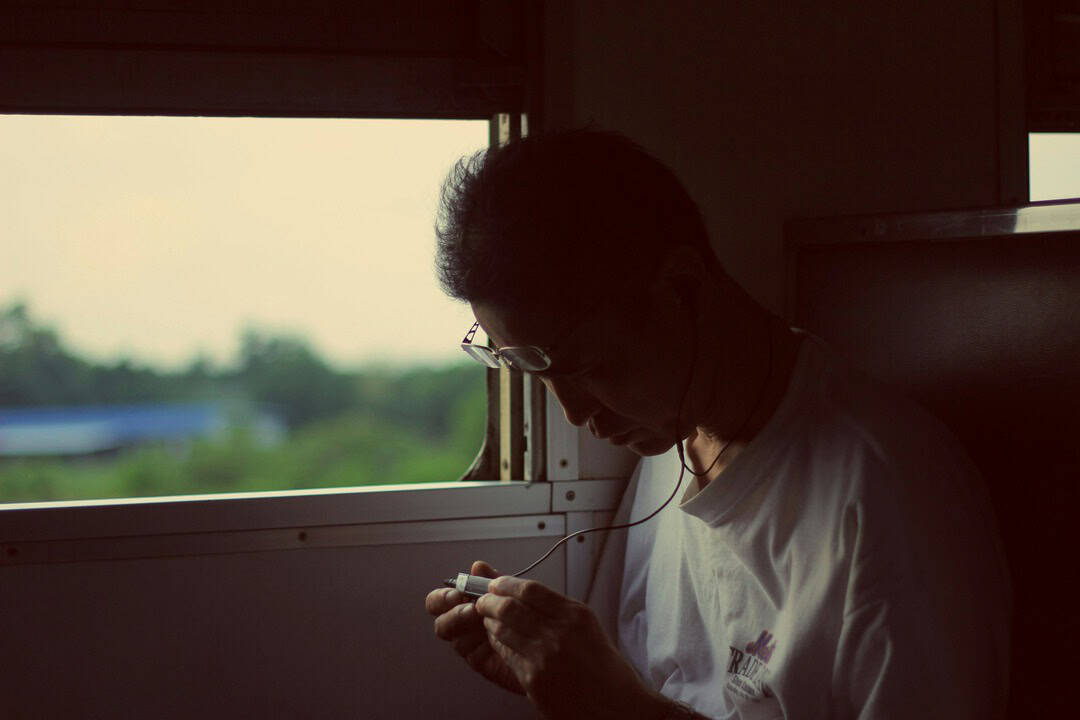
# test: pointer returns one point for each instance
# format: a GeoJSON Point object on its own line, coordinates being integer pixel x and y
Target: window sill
{"type": "Point", "coordinates": [300, 509]}
{"type": "Point", "coordinates": [226, 512]}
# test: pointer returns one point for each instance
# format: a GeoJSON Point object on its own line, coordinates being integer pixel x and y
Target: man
{"type": "Point", "coordinates": [833, 555]}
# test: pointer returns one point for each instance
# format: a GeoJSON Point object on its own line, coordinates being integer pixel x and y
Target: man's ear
{"type": "Point", "coordinates": [679, 278]}
{"type": "Point", "coordinates": [687, 293]}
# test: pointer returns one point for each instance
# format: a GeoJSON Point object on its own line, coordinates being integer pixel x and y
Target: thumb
{"type": "Point", "coordinates": [482, 569]}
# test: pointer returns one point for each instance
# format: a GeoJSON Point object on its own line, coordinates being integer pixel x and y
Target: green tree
{"type": "Point", "coordinates": [36, 369]}
{"type": "Point", "coordinates": [285, 373]}
{"type": "Point", "coordinates": [417, 424]}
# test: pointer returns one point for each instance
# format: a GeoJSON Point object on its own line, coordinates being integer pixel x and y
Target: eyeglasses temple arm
{"type": "Point", "coordinates": [469, 335]}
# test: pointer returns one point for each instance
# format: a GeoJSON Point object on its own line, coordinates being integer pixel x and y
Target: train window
{"type": "Point", "coordinates": [1054, 166]}
{"type": "Point", "coordinates": [197, 305]}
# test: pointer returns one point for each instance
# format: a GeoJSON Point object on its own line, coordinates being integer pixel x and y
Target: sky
{"type": "Point", "coordinates": [1054, 160]}
{"type": "Point", "coordinates": [161, 238]}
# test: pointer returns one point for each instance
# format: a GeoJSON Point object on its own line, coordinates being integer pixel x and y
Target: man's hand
{"type": "Point", "coordinates": [457, 621]}
{"type": "Point", "coordinates": [560, 656]}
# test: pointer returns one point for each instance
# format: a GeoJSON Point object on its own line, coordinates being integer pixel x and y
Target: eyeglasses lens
{"type": "Point", "coordinates": [481, 354]}
{"type": "Point", "coordinates": [526, 359]}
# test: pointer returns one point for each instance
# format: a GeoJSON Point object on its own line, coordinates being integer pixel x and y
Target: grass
{"type": "Point", "coordinates": [347, 450]}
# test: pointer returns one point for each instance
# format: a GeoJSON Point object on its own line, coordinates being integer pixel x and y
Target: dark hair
{"type": "Point", "coordinates": [566, 218]}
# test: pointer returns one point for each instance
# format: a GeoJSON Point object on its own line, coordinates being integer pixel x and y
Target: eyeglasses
{"type": "Point", "coordinates": [527, 358]}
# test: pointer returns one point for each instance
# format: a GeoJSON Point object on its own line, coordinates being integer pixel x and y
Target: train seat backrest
{"type": "Point", "coordinates": [984, 331]}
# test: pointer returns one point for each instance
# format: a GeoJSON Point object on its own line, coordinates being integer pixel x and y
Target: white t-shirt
{"type": "Point", "coordinates": [845, 564]}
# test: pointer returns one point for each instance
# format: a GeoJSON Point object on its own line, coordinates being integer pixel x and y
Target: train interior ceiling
{"type": "Point", "coordinates": [862, 168]}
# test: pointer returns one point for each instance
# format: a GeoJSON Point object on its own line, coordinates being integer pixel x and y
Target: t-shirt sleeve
{"type": "Point", "coordinates": [924, 630]}
{"type": "Point", "coordinates": [881, 669]}
{"type": "Point", "coordinates": [911, 648]}
{"type": "Point", "coordinates": [891, 665]}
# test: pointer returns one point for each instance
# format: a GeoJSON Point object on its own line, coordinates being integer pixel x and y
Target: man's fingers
{"type": "Point", "coordinates": [535, 595]}
{"type": "Point", "coordinates": [511, 611]}
{"type": "Point", "coordinates": [457, 621]}
{"type": "Point", "coordinates": [441, 600]}
{"type": "Point", "coordinates": [511, 641]}
{"type": "Point", "coordinates": [482, 569]}
{"type": "Point", "coordinates": [467, 645]}
{"type": "Point", "coordinates": [478, 654]}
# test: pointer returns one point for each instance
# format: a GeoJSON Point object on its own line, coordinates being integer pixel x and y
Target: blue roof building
{"type": "Point", "coordinates": [84, 430]}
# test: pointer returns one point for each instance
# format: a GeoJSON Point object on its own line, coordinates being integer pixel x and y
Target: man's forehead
{"type": "Point", "coordinates": [510, 326]}
{"type": "Point", "coordinates": [564, 334]}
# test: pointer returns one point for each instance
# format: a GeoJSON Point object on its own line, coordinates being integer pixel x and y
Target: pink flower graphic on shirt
{"type": "Point", "coordinates": [748, 669]}
{"type": "Point", "coordinates": [761, 647]}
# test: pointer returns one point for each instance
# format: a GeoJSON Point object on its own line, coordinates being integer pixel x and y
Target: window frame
{"type": "Point", "coordinates": [128, 61]}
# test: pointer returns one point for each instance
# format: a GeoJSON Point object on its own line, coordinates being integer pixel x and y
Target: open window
{"type": "Point", "coordinates": [205, 305]}
{"type": "Point", "coordinates": [264, 155]}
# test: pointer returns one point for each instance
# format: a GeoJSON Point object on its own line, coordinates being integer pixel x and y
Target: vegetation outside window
{"type": "Point", "coordinates": [194, 305]}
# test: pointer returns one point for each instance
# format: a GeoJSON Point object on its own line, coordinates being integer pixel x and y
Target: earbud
{"type": "Point", "coordinates": [687, 293]}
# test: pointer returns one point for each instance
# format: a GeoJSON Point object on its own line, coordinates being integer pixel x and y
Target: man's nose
{"type": "Point", "coordinates": [577, 405]}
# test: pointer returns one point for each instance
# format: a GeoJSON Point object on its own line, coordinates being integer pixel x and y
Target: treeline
{"type": "Point", "coordinates": [412, 424]}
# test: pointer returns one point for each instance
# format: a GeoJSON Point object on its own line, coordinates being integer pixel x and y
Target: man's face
{"type": "Point", "coordinates": [609, 371]}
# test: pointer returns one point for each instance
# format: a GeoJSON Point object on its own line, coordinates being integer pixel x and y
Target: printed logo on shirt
{"type": "Point", "coordinates": [748, 669]}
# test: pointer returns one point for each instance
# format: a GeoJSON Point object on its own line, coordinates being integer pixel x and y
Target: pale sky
{"type": "Point", "coordinates": [159, 238]}
{"type": "Point", "coordinates": [1055, 165]}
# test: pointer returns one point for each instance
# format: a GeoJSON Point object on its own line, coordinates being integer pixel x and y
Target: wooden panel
{"type": "Point", "coordinates": [317, 633]}
{"type": "Point", "coordinates": [419, 27]}
{"type": "Point", "coordinates": [417, 59]}
{"type": "Point", "coordinates": [216, 83]}
{"type": "Point", "coordinates": [1052, 61]}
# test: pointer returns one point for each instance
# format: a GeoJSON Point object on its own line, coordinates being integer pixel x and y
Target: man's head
{"type": "Point", "coordinates": [581, 243]}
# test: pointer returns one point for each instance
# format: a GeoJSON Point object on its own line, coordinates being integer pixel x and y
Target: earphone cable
{"type": "Point", "coordinates": [682, 458]}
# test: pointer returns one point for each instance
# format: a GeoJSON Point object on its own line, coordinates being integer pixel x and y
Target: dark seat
{"type": "Point", "coordinates": [977, 316]}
